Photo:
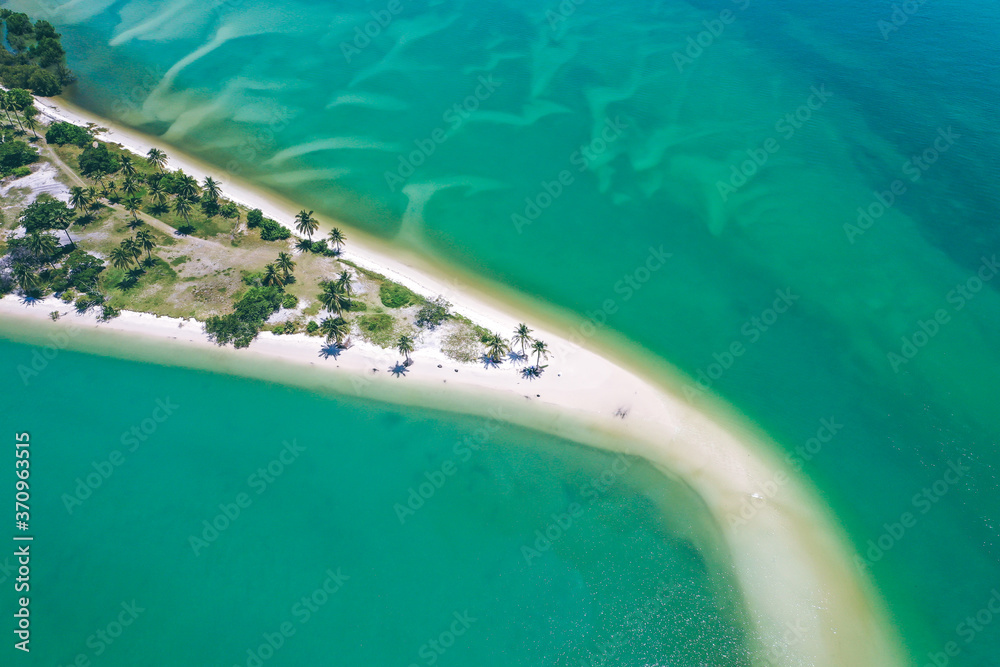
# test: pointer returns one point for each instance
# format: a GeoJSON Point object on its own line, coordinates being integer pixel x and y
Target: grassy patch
{"type": "Point", "coordinates": [394, 295]}
{"type": "Point", "coordinates": [149, 293]}
{"type": "Point", "coordinates": [177, 261]}
{"type": "Point", "coordinates": [463, 344]}
{"type": "Point", "coordinates": [378, 329]}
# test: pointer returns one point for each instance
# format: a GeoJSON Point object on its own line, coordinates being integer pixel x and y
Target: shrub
{"type": "Point", "coordinates": [43, 83]}
{"type": "Point", "coordinates": [19, 24]}
{"type": "Point", "coordinates": [312, 328]}
{"type": "Point", "coordinates": [433, 313]}
{"type": "Point", "coordinates": [227, 329]}
{"type": "Point", "coordinates": [255, 218]}
{"type": "Point", "coordinates": [14, 154]}
{"type": "Point", "coordinates": [258, 303]}
{"type": "Point", "coordinates": [394, 295]}
{"type": "Point", "coordinates": [88, 301]}
{"type": "Point", "coordinates": [289, 301]}
{"type": "Point", "coordinates": [67, 133]}
{"type": "Point", "coordinates": [98, 161]}
{"type": "Point", "coordinates": [83, 268]}
{"type": "Point", "coordinates": [44, 214]}
{"type": "Point", "coordinates": [229, 210]}
{"type": "Point", "coordinates": [108, 312]}
{"type": "Point", "coordinates": [242, 325]}
{"type": "Point", "coordinates": [272, 231]}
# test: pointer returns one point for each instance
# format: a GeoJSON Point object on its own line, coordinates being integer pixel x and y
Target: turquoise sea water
{"type": "Point", "coordinates": [227, 514]}
{"type": "Point", "coordinates": [892, 329]}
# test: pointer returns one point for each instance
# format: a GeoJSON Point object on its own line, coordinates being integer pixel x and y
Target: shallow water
{"type": "Point", "coordinates": [592, 144]}
{"type": "Point", "coordinates": [210, 505]}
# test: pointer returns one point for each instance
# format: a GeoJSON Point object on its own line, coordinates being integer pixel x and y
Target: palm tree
{"type": "Point", "coordinates": [335, 328]}
{"type": "Point", "coordinates": [16, 108]}
{"type": "Point", "coordinates": [405, 346]}
{"type": "Point", "coordinates": [120, 257]}
{"type": "Point", "coordinates": [333, 298]}
{"type": "Point", "coordinates": [306, 224]}
{"type": "Point", "coordinates": [42, 246]}
{"type": "Point", "coordinates": [80, 198]}
{"type": "Point", "coordinates": [25, 276]}
{"type": "Point", "coordinates": [93, 197]}
{"type": "Point", "coordinates": [156, 158]}
{"type": "Point", "coordinates": [286, 264]}
{"type": "Point", "coordinates": [532, 372]}
{"type": "Point", "coordinates": [156, 192]}
{"type": "Point", "coordinates": [345, 282]}
{"type": "Point", "coordinates": [133, 206]}
{"type": "Point", "coordinates": [29, 118]}
{"type": "Point", "coordinates": [188, 187]}
{"type": "Point", "coordinates": [337, 238]}
{"type": "Point", "coordinates": [212, 189]}
{"type": "Point", "coordinates": [126, 165]}
{"type": "Point", "coordinates": [272, 276]}
{"type": "Point", "coordinates": [63, 220]}
{"type": "Point", "coordinates": [5, 105]}
{"type": "Point", "coordinates": [130, 185]}
{"type": "Point", "coordinates": [133, 248]}
{"type": "Point", "coordinates": [541, 350]}
{"type": "Point", "coordinates": [145, 241]}
{"type": "Point", "coordinates": [497, 347]}
{"type": "Point", "coordinates": [522, 335]}
{"type": "Point", "coordinates": [183, 207]}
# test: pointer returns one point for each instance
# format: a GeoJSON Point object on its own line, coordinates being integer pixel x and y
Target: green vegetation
{"type": "Point", "coordinates": [98, 162]}
{"type": "Point", "coordinates": [36, 60]}
{"type": "Point", "coordinates": [496, 347]}
{"type": "Point", "coordinates": [14, 155]}
{"type": "Point", "coordinates": [405, 347]}
{"type": "Point", "coordinates": [306, 224]}
{"type": "Point", "coordinates": [433, 313]}
{"type": "Point", "coordinates": [66, 133]}
{"type": "Point", "coordinates": [463, 345]}
{"type": "Point", "coordinates": [378, 329]}
{"type": "Point", "coordinates": [109, 249]}
{"type": "Point", "coordinates": [335, 329]}
{"type": "Point", "coordinates": [270, 230]}
{"type": "Point", "coordinates": [394, 295]}
{"type": "Point", "coordinates": [242, 326]}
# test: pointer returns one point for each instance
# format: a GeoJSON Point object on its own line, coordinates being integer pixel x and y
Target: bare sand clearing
{"type": "Point", "coordinates": [809, 603]}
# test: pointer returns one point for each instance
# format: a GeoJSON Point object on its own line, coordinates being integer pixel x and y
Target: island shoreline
{"type": "Point", "coordinates": [723, 461]}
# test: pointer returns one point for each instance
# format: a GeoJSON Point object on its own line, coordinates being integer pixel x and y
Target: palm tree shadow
{"type": "Point", "coordinates": [399, 370]}
{"type": "Point", "coordinates": [330, 350]}
{"type": "Point", "coordinates": [531, 373]}
{"type": "Point", "coordinates": [185, 230]}
{"type": "Point", "coordinates": [130, 280]}
{"type": "Point", "coordinates": [517, 357]}
{"type": "Point", "coordinates": [31, 299]}
{"type": "Point", "coordinates": [489, 362]}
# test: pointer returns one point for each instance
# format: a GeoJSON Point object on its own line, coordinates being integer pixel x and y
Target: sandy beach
{"type": "Point", "coordinates": [807, 599]}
